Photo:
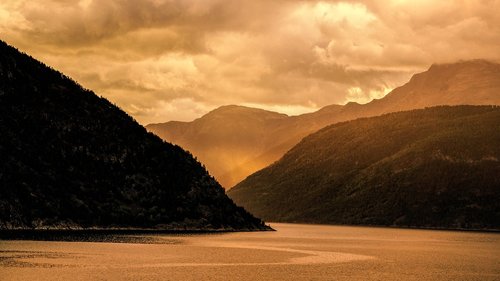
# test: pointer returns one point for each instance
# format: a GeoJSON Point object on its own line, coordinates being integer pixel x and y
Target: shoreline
{"type": "Point", "coordinates": [98, 234]}
{"type": "Point", "coordinates": [485, 230]}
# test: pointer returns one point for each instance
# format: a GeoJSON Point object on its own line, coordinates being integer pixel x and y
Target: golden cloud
{"type": "Point", "coordinates": [166, 59]}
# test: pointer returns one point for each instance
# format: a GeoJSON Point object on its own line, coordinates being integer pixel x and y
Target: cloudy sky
{"type": "Point", "coordinates": [166, 60]}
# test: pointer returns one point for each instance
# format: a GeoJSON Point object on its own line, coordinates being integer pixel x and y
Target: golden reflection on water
{"type": "Point", "coordinates": [294, 252]}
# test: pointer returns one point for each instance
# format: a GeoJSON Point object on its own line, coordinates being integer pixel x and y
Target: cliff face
{"type": "Point", "coordinates": [69, 158]}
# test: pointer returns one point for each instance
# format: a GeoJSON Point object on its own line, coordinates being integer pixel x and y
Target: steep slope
{"type": "Point", "coordinates": [71, 159]}
{"type": "Point", "coordinates": [233, 146]}
{"type": "Point", "coordinates": [224, 138]}
{"type": "Point", "coordinates": [436, 167]}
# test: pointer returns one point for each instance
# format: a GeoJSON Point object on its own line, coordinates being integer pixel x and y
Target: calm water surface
{"type": "Point", "coordinates": [294, 252]}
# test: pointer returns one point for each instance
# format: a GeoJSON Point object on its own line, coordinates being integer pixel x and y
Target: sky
{"type": "Point", "coordinates": [162, 60]}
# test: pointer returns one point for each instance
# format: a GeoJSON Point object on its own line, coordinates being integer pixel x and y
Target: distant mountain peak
{"type": "Point", "coordinates": [352, 103]}
{"type": "Point", "coordinates": [462, 63]}
{"type": "Point", "coordinates": [240, 112]}
{"type": "Point", "coordinates": [236, 109]}
{"type": "Point", "coordinates": [270, 135]}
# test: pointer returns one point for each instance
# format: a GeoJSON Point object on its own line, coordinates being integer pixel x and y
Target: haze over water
{"type": "Point", "coordinates": [294, 252]}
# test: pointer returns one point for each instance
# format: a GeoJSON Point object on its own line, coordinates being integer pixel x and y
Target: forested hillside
{"type": "Point", "coordinates": [437, 167]}
{"type": "Point", "coordinates": [70, 159]}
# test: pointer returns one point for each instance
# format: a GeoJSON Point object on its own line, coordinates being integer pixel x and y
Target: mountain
{"type": "Point", "coordinates": [70, 159]}
{"type": "Point", "coordinates": [224, 138]}
{"type": "Point", "coordinates": [434, 167]}
{"type": "Point", "coordinates": [237, 144]}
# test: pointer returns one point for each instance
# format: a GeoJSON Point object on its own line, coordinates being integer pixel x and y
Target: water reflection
{"type": "Point", "coordinates": [294, 252]}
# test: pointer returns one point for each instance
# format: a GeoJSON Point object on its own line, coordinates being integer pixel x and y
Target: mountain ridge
{"type": "Point", "coordinates": [71, 159]}
{"type": "Point", "coordinates": [432, 168]}
{"type": "Point", "coordinates": [475, 82]}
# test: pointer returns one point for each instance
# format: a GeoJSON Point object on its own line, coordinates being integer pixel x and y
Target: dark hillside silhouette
{"type": "Point", "coordinates": [436, 167]}
{"type": "Point", "coordinates": [70, 159]}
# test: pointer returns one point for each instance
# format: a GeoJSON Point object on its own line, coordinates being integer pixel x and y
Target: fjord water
{"type": "Point", "coordinates": [293, 252]}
